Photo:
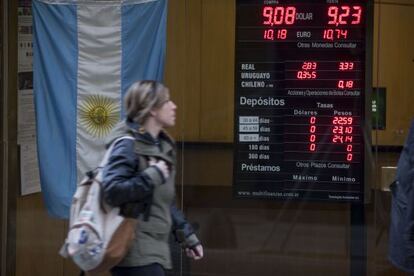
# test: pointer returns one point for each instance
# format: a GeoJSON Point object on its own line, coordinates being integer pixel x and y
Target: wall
{"type": "Point", "coordinates": [199, 68]}
{"type": "Point", "coordinates": [394, 66]}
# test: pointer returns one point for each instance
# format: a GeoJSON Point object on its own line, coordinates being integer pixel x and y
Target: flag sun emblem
{"type": "Point", "coordinates": [98, 114]}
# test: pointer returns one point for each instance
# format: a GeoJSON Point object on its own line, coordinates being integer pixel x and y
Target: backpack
{"type": "Point", "coordinates": [98, 236]}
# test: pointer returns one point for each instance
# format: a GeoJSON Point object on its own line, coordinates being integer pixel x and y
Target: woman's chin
{"type": "Point", "coordinates": [171, 124]}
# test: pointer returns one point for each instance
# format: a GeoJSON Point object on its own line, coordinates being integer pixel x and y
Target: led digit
{"type": "Point", "coordinates": [305, 73]}
{"type": "Point", "coordinates": [279, 16]}
{"type": "Point", "coordinates": [268, 14]}
{"type": "Point", "coordinates": [309, 65]}
{"type": "Point", "coordinates": [282, 34]}
{"type": "Point", "coordinates": [290, 15]}
{"type": "Point", "coordinates": [312, 137]}
{"type": "Point", "coordinates": [342, 133]}
{"type": "Point", "coordinates": [345, 84]}
{"type": "Point", "coordinates": [348, 130]}
{"type": "Point", "coordinates": [339, 130]}
{"type": "Point", "coordinates": [338, 139]}
{"type": "Point", "coordinates": [344, 15]}
{"type": "Point", "coordinates": [269, 34]}
{"type": "Point", "coordinates": [337, 120]}
{"type": "Point", "coordinates": [348, 139]}
{"type": "Point", "coordinates": [343, 34]}
{"type": "Point", "coordinates": [301, 75]}
{"type": "Point", "coordinates": [346, 66]}
{"type": "Point", "coordinates": [357, 12]}
{"type": "Point", "coordinates": [343, 66]}
{"type": "Point", "coordinates": [333, 14]}
{"type": "Point", "coordinates": [331, 34]}
{"type": "Point", "coordinates": [328, 34]}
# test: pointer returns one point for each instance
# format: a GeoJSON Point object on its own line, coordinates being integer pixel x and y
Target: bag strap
{"type": "Point", "coordinates": [109, 150]}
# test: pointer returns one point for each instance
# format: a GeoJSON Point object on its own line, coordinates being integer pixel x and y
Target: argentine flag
{"type": "Point", "coordinates": [86, 55]}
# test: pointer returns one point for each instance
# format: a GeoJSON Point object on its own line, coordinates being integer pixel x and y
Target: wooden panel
{"type": "Point", "coordinates": [192, 98]}
{"type": "Point", "coordinates": [39, 239]}
{"type": "Point", "coordinates": [183, 66]}
{"type": "Point", "coordinates": [3, 203]}
{"type": "Point", "coordinates": [394, 67]}
{"type": "Point", "coordinates": [395, 2]}
{"type": "Point", "coordinates": [217, 72]}
{"type": "Point", "coordinates": [175, 59]}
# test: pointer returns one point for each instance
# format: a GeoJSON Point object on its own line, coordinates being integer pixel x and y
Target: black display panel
{"type": "Point", "coordinates": [301, 99]}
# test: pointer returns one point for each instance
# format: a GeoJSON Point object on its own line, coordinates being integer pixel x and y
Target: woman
{"type": "Point", "coordinates": [139, 178]}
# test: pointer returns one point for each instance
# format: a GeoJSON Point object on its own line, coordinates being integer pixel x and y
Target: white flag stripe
{"type": "Point", "coordinates": [99, 73]}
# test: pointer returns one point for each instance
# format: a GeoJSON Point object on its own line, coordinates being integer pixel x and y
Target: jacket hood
{"type": "Point", "coordinates": [127, 127]}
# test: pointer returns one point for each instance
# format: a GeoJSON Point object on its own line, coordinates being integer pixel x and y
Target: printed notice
{"type": "Point", "coordinates": [29, 169]}
{"type": "Point", "coordinates": [26, 118]}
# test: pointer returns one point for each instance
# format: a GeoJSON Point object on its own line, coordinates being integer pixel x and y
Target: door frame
{"type": "Point", "coordinates": [8, 135]}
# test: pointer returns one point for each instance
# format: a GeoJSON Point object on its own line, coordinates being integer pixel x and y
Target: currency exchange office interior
{"type": "Point", "coordinates": [291, 119]}
{"type": "Point", "coordinates": [263, 235]}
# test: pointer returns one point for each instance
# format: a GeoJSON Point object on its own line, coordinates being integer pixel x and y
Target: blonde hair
{"type": "Point", "coordinates": [142, 97]}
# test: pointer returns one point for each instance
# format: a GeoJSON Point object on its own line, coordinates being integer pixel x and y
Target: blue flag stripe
{"type": "Point", "coordinates": [143, 49]}
{"type": "Point", "coordinates": [55, 80]}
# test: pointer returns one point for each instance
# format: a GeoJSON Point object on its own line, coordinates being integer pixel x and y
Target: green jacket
{"type": "Point", "coordinates": [128, 179]}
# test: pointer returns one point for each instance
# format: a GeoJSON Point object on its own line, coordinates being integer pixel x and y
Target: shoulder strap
{"type": "Point", "coordinates": [109, 150]}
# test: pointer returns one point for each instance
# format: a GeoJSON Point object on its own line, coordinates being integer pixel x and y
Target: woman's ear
{"type": "Point", "coordinates": [153, 112]}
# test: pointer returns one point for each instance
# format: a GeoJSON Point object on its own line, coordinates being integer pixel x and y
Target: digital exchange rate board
{"type": "Point", "coordinates": [300, 99]}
